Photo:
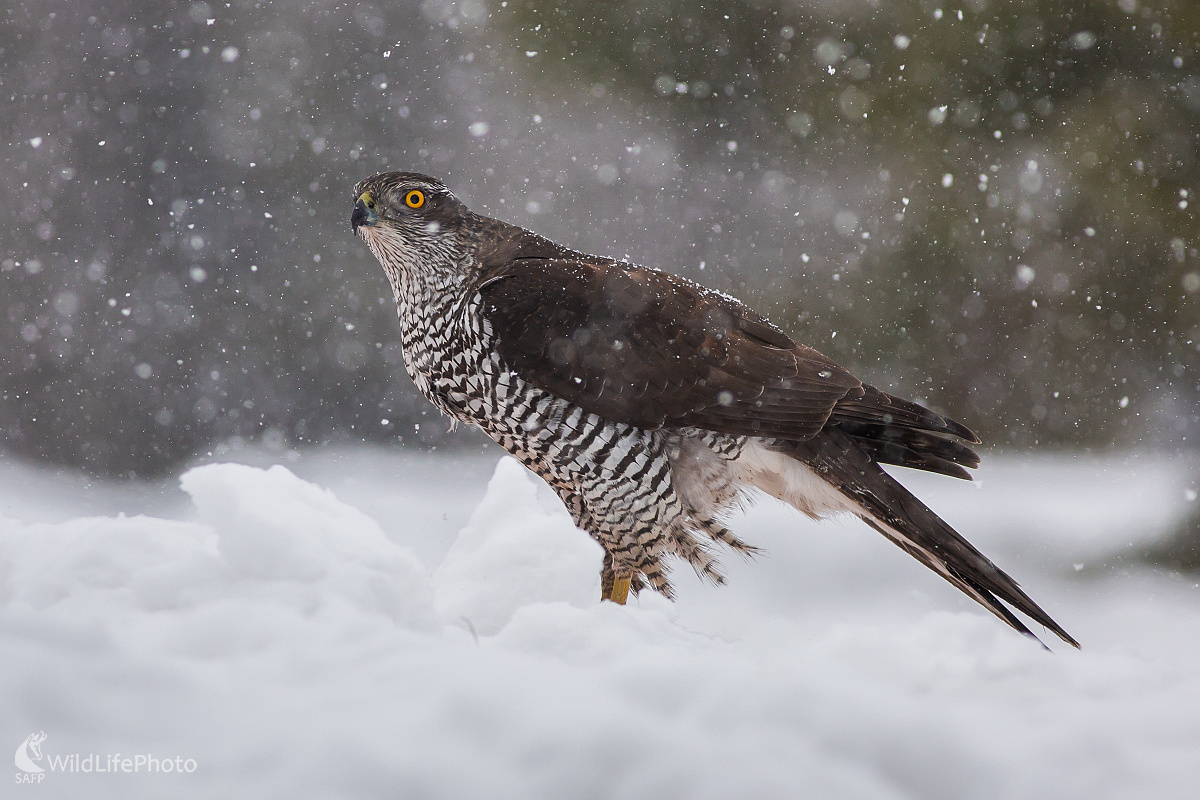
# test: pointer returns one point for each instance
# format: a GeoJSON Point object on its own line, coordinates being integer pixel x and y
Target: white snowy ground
{"type": "Point", "coordinates": [368, 623]}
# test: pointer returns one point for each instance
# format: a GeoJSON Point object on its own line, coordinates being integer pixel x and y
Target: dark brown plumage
{"type": "Point", "coordinates": [647, 348]}
{"type": "Point", "coordinates": [651, 403]}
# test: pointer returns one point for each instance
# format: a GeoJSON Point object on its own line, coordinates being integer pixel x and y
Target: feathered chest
{"type": "Point", "coordinates": [445, 341]}
{"type": "Point", "coordinates": [450, 353]}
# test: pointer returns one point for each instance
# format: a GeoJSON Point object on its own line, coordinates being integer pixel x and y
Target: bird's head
{"type": "Point", "coordinates": [410, 221]}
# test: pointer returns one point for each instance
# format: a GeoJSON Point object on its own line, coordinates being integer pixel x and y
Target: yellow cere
{"type": "Point", "coordinates": [414, 199]}
{"type": "Point", "coordinates": [367, 199]}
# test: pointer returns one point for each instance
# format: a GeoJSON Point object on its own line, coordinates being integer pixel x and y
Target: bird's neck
{"type": "Point", "coordinates": [421, 274]}
{"type": "Point", "coordinates": [428, 286]}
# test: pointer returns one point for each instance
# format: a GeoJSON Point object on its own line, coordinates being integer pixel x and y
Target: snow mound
{"type": "Point", "coordinates": [272, 526]}
{"type": "Point", "coordinates": [273, 561]}
{"type": "Point", "coordinates": [513, 553]}
{"type": "Point", "coordinates": [140, 562]}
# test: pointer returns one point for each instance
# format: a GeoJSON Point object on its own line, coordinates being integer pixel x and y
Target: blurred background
{"type": "Point", "coordinates": [983, 204]}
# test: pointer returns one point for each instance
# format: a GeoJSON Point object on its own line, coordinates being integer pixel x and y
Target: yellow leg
{"type": "Point", "coordinates": [620, 590]}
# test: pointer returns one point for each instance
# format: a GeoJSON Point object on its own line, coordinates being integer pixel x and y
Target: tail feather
{"type": "Point", "coordinates": [895, 512]}
{"type": "Point", "coordinates": [916, 449]}
{"type": "Point", "coordinates": [976, 593]}
{"type": "Point", "coordinates": [875, 406]}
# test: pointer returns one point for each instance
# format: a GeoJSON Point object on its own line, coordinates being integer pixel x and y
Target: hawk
{"type": "Point", "coordinates": [651, 404]}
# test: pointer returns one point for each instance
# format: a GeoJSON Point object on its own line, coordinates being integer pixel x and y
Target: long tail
{"type": "Point", "coordinates": [885, 505]}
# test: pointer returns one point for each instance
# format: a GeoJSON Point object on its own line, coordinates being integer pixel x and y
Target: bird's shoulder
{"type": "Point", "coordinates": [517, 264]}
{"type": "Point", "coordinates": [500, 244]}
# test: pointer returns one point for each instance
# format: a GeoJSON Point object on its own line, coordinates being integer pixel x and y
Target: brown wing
{"type": "Point", "coordinates": [643, 347]}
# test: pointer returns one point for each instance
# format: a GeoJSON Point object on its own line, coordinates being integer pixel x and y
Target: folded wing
{"type": "Point", "coordinates": [650, 349]}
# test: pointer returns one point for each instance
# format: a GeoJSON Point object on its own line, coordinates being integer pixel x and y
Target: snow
{"type": "Point", "coordinates": [368, 623]}
{"type": "Point", "coordinates": [513, 554]}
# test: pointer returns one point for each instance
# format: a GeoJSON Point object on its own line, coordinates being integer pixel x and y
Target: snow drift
{"type": "Point", "coordinates": [296, 643]}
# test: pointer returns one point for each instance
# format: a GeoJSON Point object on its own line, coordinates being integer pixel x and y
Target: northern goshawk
{"type": "Point", "coordinates": [650, 403]}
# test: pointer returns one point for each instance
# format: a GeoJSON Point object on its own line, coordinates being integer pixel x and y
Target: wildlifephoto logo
{"type": "Point", "coordinates": [29, 753]}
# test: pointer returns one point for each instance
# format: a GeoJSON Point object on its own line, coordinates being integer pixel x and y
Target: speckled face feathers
{"type": "Point", "coordinates": [649, 403]}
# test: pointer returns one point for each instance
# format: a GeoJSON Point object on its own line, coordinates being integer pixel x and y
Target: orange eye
{"type": "Point", "coordinates": [414, 199]}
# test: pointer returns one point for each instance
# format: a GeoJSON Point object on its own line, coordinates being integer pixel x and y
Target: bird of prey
{"type": "Point", "coordinates": [651, 404]}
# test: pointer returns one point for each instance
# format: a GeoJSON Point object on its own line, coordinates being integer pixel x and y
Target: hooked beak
{"type": "Point", "coordinates": [362, 214]}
